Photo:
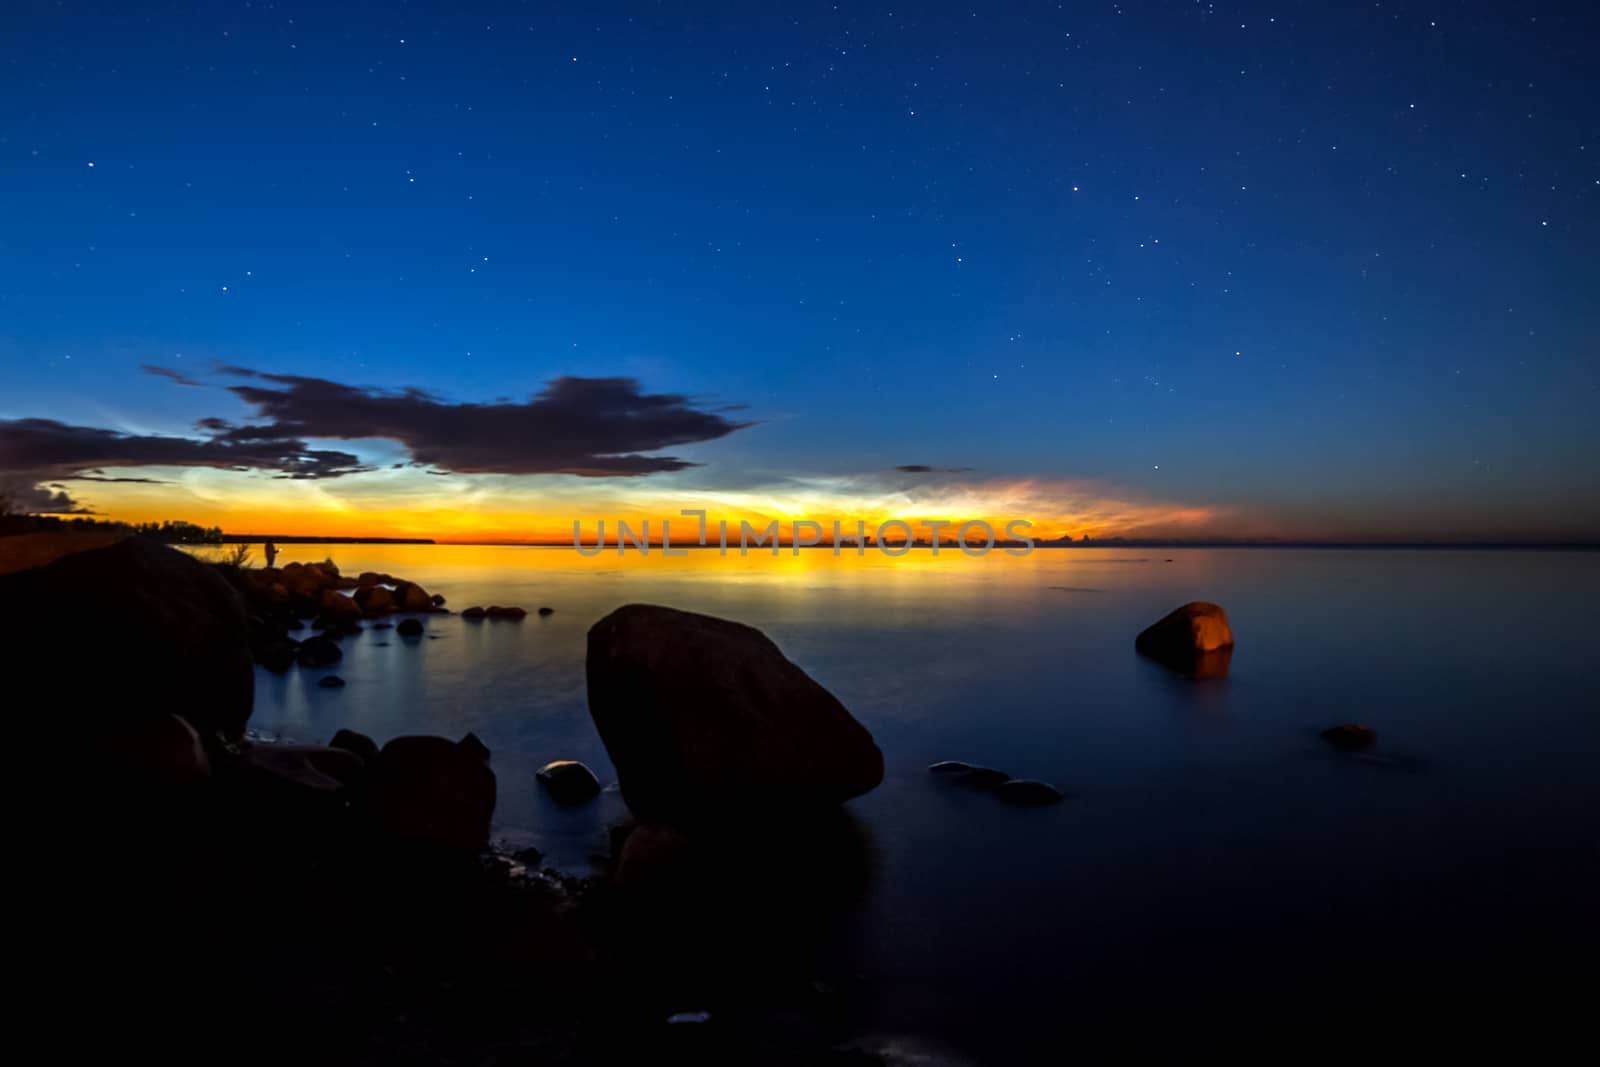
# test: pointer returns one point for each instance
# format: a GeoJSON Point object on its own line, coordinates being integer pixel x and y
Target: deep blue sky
{"type": "Point", "coordinates": [1329, 263]}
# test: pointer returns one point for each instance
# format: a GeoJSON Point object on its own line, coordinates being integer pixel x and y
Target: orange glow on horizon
{"type": "Point", "coordinates": [468, 511]}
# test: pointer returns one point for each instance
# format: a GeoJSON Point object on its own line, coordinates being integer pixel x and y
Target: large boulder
{"type": "Point", "coordinates": [1194, 640]}
{"type": "Point", "coordinates": [706, 718]}
{"type": "Point", "coordinates": [338, 608]}
{"type": "Point", "coordinates": [409, 596]}
{"type": "Point", "coordinates": [433, 792]}
{"type": "Point", "coordinates": [108, 632]}
{"type": "Point", "coordinates": [374, 599]}
{"type": "Point", "coordinates": [568, 781]}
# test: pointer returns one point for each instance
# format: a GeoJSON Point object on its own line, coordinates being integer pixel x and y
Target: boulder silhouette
{"type": "Point", "coordinates": [1194, 640]}
{"type": "Point", "coordinates": [172, 636]}
{"type": "Point", "coordinates": [705, 718]}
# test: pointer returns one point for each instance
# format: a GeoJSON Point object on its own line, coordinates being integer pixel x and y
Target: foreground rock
{"type": "Point", "coordinates": [433, 792]}
{"type": "Point", "coordinates": [359, 743]}
{"type": "Point", "coordinates": [568, 781]}
{"type": "Point", "coordinates": [1194, 640]}
{"type": "Point", "coordinates": [705, 717]}
{"type": "Point", "coordinates": [1350, 737]}
{"type": "Point", "coordinates": [173, 643]}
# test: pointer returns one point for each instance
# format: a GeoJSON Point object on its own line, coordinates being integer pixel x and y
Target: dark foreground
{"type": "Point", "coordinates": [201, 897]}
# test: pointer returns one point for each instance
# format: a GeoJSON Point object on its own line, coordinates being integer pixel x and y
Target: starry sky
{"type": "Point", "coordinates": [1292, 269]}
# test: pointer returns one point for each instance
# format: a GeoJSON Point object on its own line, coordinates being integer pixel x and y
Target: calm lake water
{"type": "Point", "coordinates": [1212, 845]}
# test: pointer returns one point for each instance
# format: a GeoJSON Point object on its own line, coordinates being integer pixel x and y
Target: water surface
{"type": "Point", "coordinates": [1211, 841]}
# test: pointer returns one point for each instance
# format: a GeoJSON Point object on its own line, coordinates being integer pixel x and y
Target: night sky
{"type": "Point", "coordinates": [1290, 269]}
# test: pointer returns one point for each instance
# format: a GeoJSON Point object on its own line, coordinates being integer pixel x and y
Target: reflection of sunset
{"type": "Point", "coordinates": [466, 509]}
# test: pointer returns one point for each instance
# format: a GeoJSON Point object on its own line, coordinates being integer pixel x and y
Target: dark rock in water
{"type": "Point", "coordinates": [473, 744]}
{"type": "Point", "coordinates": [360, 744]}
{"type": "Point", "coordinates": [409, 596]}
{"type": "Point", "coordinates": [1028, 791]}
{"type": "Point", "coordinates": [374, 600]}
{"type": "Point", "coordinates": [319, 651]}
{"type": "Point", "coordinates": [331, 681]}
{"type": "Point", "coordinates": [473, 613]}
{"type": "Point", "coordinates": [409, 628]}
{"type": "Point", "coordinates": [432, 792]}
{"type": "Point", "coordinates": [547, 611]}
{"type": "Point", "coordinates": [178, 643]}
{"type": "Point", "coordinates": [505, 613]}
{"type": "Point", "coordinates": [339, 608]}
{"type": "Point", "coordinates": [981, 777]}
{"type": "Point", "coordinates": [950, 766]}
{"type": "Point", "coordinates": [706, 718]}
{"type": "Point", "coordinates": [437, 600]}
{"type": "Point", "coordinates": [1194, 640]}
{"type": "Point", "coordinates": [568, 781]}
{"type": "Point", "coordinates": [277, 656]}
{"type": "Point", "coordinates": [528, 857]}
{"type": "Point", "coordinates": [1350, 737]}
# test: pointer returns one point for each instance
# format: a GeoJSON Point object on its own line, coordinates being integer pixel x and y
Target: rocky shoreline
{"type": "Point", "coordinates": [350, 891]}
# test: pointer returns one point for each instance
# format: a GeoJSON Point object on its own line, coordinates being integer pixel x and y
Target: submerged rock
{"type": "Point", "coordinates": [1350, 737]}
{"type": "Point", "coordinates": [1194, 640]}
{"type": "Point", "coordinates": [981, 777]}
{"type": "Point", "coordinates": [950, 766]}
{"type": "Point", "coordinates": [331, 681]}
{"type": "Point", "coordinates": [568, 781]}
{"type": "Point", "coordinates": [1029, 791]}
{"type": "Point", "coordinates": [705, 717]}
{"type": "Point", "coordinates": [498, 612]}
{"type": "Point", "coordinates": [433, 792]}
{"type": "Point", "coordinates": [277, 656]}
{"type": "Point", "coordinates": [319, 651]}
{"type": "Point", "coordinates": [409, 628]}
{"type": "Point", "coordinates": [547, 611]}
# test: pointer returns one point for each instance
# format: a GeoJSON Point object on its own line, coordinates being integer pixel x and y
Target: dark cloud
{"type": "Point", "coordinates": [170, 374]}
{"type": "Point", "coordinates": [591, 427]}
{"type": "Point", "coordinates": [24, 495]}
{"type": "Point", "coordinates": [919, 468]}
{"type": "Point", "coordinates": [43, 450]}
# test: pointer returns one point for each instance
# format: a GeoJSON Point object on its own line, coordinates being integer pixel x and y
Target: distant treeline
{"type": "Point", "coordinates": [173, 532]}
